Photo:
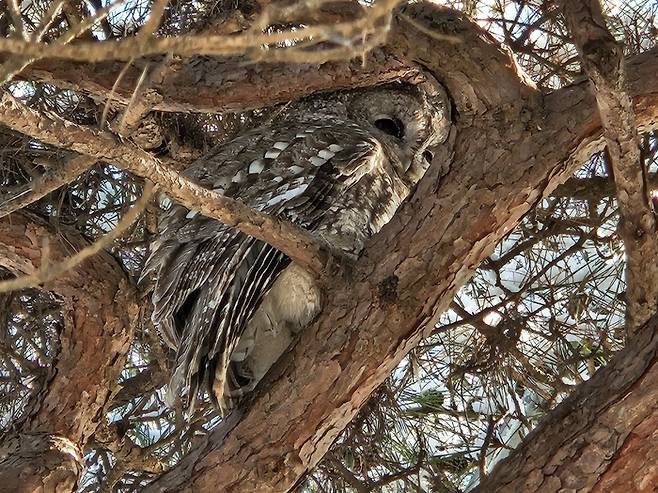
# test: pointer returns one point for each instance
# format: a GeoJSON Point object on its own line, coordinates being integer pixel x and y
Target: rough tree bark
{"type": "Point", "coordinates": [222, 85]}
{"type": "Point", "coordinates": [603, 61]}
{"type": "Point", "coordinates": [511, 147]}
{"type": "Point", "coordinates": [601, 439]}
{"type": "Point", "coordinates": [46, 452]}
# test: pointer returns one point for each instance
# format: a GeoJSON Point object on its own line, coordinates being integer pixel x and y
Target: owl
{"type": "Point", "coordinates": [337, 165]}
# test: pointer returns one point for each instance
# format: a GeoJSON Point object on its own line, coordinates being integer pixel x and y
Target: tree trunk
{"type": "Point", "coordinates": [46, 452]}
{"type": "Point", "coordinates": [511, 147]}
{"type": "Point", "coordinates": [36, 462]}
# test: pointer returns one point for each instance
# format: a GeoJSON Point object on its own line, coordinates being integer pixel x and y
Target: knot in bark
{"type": "Point", "coordinates": [388, 289]}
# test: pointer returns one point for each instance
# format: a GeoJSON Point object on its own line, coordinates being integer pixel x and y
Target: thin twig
{"type": "Point", "coordinates": [16, 17]}
{"type": "Point", "coordinates": [48, 272]}
{"type": "Point", "coordinates": [110, 97]}
{"type": "Point", "coordinates": [300, 245]}
{"type": "Point", "coordinates": [155, 16]}
{"type": "Point", "coordinates": [22, 60]}
{"type": "Point", "coordinates": [50, 181]}
{"type": "Point", "coordinates": [193, 45]}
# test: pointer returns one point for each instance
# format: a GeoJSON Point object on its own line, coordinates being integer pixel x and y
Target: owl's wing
{"type": "Point", "coordinates": [209, 278]}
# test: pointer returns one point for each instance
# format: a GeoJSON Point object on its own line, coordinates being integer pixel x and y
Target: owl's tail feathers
{"type": "Point", "coordinates": [178, 386]}
{"type": "Point", "coordinates": [167, 331]}
{"type": "Point", "coordinates": [178, 393]}
{"type": "Point", "coordinates": [194, 373]}
{"type": "Point", "coordinates": [183, 389]}
{"type": "Point", "coordinates": [171, 396]}
{"type": "Point", "coordinates": [219, 377]}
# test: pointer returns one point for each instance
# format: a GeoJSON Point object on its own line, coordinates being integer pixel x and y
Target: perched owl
{"type": "Point", "coordinates": [339, 166]}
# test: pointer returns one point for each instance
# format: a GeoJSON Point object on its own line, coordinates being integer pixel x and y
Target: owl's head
{"type": "Point", "coordinates": [409, 120]}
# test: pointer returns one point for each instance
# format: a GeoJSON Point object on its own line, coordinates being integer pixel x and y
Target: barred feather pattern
{"type": "Point", "coordinates": [230, 304]}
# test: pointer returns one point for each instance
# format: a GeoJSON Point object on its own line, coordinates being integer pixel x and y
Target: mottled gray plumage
{"type": "Point", "coordinates": [337, 165]}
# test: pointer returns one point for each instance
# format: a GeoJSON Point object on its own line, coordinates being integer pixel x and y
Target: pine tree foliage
{"type": "Point", "coordinates": [539, 317]}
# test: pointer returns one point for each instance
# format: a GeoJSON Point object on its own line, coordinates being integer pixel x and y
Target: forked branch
{"type": "Point", "coordinates": [603, 60]}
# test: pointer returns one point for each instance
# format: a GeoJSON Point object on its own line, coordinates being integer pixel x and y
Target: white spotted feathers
{"type": "Point", "coordinates": [229, 304]}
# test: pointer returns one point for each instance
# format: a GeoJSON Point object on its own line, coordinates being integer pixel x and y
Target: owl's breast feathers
{"type": "Point", "coordinates": [230, 304]}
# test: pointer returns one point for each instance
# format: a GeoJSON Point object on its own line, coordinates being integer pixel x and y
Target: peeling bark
{"type": "Point", "coordinates": [99, 317]}
{"type": "Point", "coordinates": [511, 148]}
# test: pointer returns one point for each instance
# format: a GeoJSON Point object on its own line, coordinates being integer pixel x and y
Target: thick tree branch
{"type": "Point", "coordinates": [510, 149]}
{"type": "Point", "coordinates": [99, 316]}
{"type": "Point", "coordinates": [232, 85]}
{"type": "Point", "coordinates": [222, 85]}
{"type": "Point", "coordinates": [295, 242]}
{"type": "Point", "coordinates": [603, 61]}
{"type": "Point", "coordinates": [611, 421]}
{"type": "Point", "coordinates": [419, 34]}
